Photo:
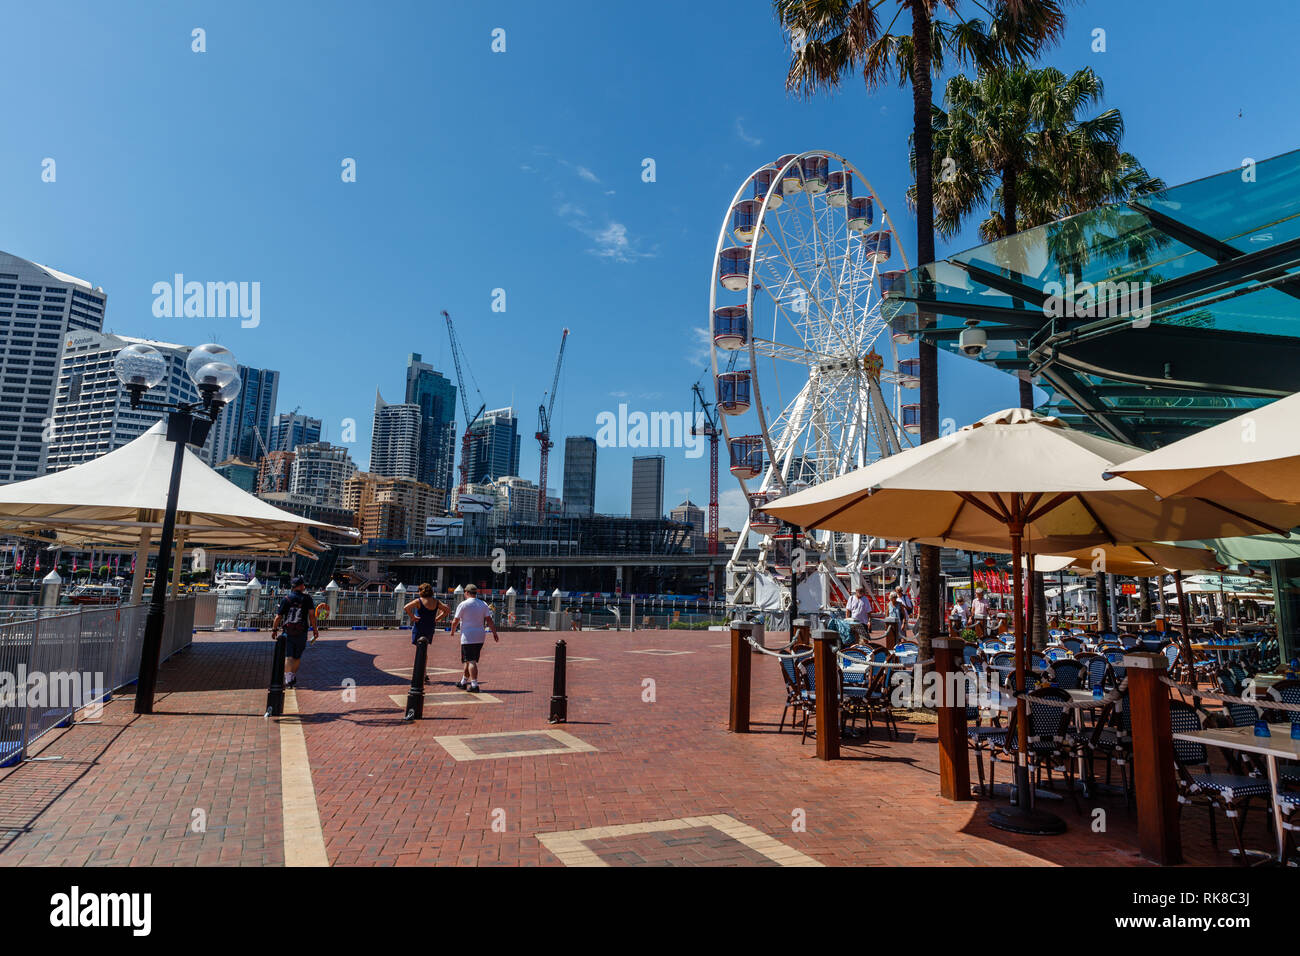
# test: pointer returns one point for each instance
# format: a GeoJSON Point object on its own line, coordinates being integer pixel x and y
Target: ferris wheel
{"type": "Point", "coordinates": [799, 274]}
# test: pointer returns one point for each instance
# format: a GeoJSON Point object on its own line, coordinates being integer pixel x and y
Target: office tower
{"type": "Point", "coordinates": [92, 411]}
{"type": "Point", "coordinates": [39, 308]}
{"type": "Point", "coordinates": [242, 474]}
{"type": "Point", "coordinates": [494, 449]}
{"type": "Point", "coordinates": [648, 487]}
{"type": "Point", "coordinates": [395, 440]}
{"type": "Point", "coordinates": [320, 471]}
{"type": "Point", "coordinates": [579, 475]}
{"type": "Point", "coordinates": [274, 471]}
{"type": "Point", "coordinates": [244, 425]}
{"type": "Point", "coordinates": [436, 397]}
{"type": "Point", "coordinates": [690, 513]}
{"type": "Point", "coordinates": [391, 509]}
{"type": "Point", "coordinates": [289, 430]}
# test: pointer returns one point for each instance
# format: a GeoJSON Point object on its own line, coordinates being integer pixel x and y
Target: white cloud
{"type": "Point", "coordinates": [701, 346]}
{"type": "Point", "coordinates": [588, 175]}
{"type": "Point", "coordinates": [613, 242]}
{"type": "Point", "coordinates": [733, 509]}
{"type": "Point", "coordinates": [745, 138]}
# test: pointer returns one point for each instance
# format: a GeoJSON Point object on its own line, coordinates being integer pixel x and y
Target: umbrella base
{"type": "Point", "coordinates": [1031, 822]}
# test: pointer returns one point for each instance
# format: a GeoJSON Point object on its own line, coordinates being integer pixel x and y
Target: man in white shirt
{"type": "Point", "coordinates": [472, 621]}
{"type": "Point", "coordinates": [979, 609]}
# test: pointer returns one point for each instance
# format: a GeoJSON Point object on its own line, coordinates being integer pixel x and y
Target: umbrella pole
{"type": "Point", "coordinates": [1182, 621]}
{"type": "Point", "coordinates": [1022, 816]}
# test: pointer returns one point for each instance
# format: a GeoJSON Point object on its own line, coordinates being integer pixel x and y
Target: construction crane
{"type": "Point", "coordinates": [703, 409]}
{"type": "Point", "coordinates": [543, 435]}
{"type": "Point", "coordinates": [467, 438]}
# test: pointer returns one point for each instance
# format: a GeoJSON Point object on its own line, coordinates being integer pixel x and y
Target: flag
{"type": "Point", "coordinates": [18, 558]}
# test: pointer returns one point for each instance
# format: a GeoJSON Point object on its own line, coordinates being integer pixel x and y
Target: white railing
{"type": "Point", "coordinates": [54, 665]}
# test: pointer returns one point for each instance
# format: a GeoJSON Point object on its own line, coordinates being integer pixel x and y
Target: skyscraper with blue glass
{"type": "Point", "coordinates": [436, 397]}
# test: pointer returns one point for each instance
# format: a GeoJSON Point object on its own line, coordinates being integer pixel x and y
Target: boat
{"type": "Point", "coordinates": [230, 584]}
{"type": "Point", "coordinates": [95, 594]}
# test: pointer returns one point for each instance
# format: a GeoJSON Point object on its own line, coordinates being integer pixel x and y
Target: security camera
{"type": "Point", "coordinates": [973, 339]}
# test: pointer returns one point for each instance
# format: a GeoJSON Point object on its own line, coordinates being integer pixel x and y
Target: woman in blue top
{"type": "Point", "coordinates": [425, 612]}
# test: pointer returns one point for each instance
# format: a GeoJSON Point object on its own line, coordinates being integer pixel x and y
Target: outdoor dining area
{"type": "Point", "coordinates": [1167, 717]}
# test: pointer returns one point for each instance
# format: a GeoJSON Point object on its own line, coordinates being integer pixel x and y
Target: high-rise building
{"type": "Point", "coordinates": [39, 308]}
{"type": "Point", "coordinates": [274, 472]}
{"type": "Point", "coordinates": [579, 475]}
{"type": "Point", "coordinates": [92, 411]}
{"type": "Point", "coordinates": [648, 487]}
{"type": "Point", "coordinates": [688, 512]}
{"type": "Point", "coordinates": [436, 397]}
{"type": "Point", "coordinates": [494, 449]}
{"type": "Point", "coordinates": [320, 471]}
{"type": "Point", "coordinates": [289, 430]}
{"type": "Point", "coordinates": [395, 440]}
{"type": "Point", "coordinates": [391, 509]}
{"type": "Point", "coordinates": [242, 474]}
{"type": "Point", "coordinates": [248, 415]}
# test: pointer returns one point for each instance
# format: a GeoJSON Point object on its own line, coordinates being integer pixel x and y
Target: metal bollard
{"type": "Point", "coordinates": [275, 695]}
{"type": "Point", "coordinates": [415, 696]}
{"type": "Point", "coordinates": [559, 700]}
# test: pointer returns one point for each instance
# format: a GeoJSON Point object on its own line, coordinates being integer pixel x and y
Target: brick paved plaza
{"type": "Point", "coordinates": [643, 774]}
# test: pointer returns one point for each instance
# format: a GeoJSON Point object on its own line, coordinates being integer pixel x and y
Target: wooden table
{"type": "Point", "coordinates": [1278, 746]}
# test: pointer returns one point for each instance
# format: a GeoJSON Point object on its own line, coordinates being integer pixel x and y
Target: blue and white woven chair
{"type": "Point", "coordinates": [1073, 644]}
{"type": "Point", "coordinates": [1228, 792]}
{"type": "Point", "coordinates": [794, 692]}
{"type": "Point", "coordinates": [1066, 674]}
{"type": "Point", "coordinates": [1057, 653]}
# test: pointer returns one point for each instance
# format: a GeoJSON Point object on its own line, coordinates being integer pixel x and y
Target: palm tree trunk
{"type": "Point", "coordinates": [927, 352]}
{"type": "Point", "coordinates": [1103, 603]}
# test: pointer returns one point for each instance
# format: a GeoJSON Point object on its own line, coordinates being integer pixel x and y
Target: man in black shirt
{"type": "Point", "coordinates": [296, 613]}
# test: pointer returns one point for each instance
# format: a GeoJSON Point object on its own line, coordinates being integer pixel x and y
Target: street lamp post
{"type": "Point", "coordinates": [139, 368]}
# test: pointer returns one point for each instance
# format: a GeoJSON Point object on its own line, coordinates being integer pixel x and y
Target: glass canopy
{"type": "Point", "coordinates": [1145, 320]}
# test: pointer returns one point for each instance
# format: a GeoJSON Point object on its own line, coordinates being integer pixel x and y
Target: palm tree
{"type": "Point", "coordinates": [840, 38]}
{"type": "Point", "coordinates": [1023, 150]}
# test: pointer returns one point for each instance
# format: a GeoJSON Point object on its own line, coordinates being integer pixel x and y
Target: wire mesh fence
{"type": "Point", "coordinates": [52, 665]}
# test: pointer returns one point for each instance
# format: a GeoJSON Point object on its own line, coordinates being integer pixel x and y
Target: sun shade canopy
{"type": "Point", "coordinates": [1200, 322]}
{"type": "Point", "coordinates": [111, 499]}
{"type": "Point", "coordinates": [1255, 457]}
{"type": "Point", "coordinates": [957, 491]}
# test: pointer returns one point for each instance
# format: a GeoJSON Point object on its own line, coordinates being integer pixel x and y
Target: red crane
{"type": "Point", "coordinates": [467, 439]}
{"type": "Point", "coordinates": [710, 428]}
{"type": "Point", "coordinates": [543, 434]}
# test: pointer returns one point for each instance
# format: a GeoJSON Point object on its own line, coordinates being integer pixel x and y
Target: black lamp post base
{"type": "Point", "coordinates": [1033, 822]}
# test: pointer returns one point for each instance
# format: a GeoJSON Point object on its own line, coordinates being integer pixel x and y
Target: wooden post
{"type": "Point", "coordinates": [828, 694]}
{"type": "Point", "coordinates": [1153, 760]}
{"type": "Point", "coordinates": [738, 721]}
{"type": "Point", "coordinates": [954, 765]}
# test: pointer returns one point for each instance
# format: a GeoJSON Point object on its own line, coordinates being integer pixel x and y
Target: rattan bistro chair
{"type": "Point", "coordinates": [1228, 792]}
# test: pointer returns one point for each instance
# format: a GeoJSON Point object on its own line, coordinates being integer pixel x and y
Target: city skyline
{"type": "Point", "coordinates": [335, 259]}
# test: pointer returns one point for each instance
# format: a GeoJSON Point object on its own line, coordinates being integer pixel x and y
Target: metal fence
{"type": "Point", "coordinates": [384, 609]}
{"type": "Point", "coordinates": [55, 664]}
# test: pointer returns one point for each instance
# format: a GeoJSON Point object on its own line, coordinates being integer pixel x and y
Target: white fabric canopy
{"type": "Point", "coordinates": [1253, 457]}
{"type": "Point", "coordinates": [120, 497]}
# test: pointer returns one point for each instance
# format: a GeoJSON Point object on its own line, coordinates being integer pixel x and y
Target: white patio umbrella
{"type": "Point", "coordinates": [120, 498]}
{"type": "Point", "coordinates": [1253, 457]}
{"type": "Point", "coordinates": [1019, 479]}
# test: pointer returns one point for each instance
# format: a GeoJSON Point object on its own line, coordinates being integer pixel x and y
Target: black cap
{"type": "Point", "coordinates": [298, 582]}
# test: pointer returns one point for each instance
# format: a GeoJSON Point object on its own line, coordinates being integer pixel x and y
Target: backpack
{"type": "Point", "coordinates": [295, 617]}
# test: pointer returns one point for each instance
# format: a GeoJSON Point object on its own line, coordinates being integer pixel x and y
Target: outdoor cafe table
{"type": "Point", "coordinates": [1218, 649]}
{"type": "Point", "coordinates": [1272, 748]}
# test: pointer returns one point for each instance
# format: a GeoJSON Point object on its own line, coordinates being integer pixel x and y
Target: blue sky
{"type": "Point", "coordinates": [519, 171]}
